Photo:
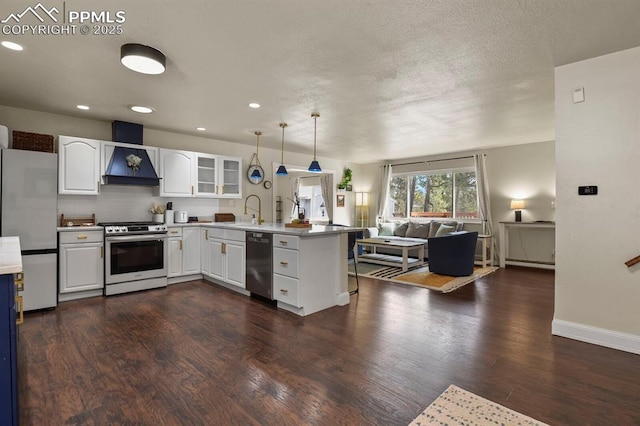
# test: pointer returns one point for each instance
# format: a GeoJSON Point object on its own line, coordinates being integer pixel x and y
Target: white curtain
{"type": "Point", "coordinates": [326, 185]}
{"type": "Point", "coordinates": [484, 202]}
{"type": "Point", "coordinates": [384, 191]}
{"type": "Point", "coordinates": [295, 190]}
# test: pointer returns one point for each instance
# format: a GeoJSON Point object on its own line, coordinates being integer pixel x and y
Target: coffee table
{"type": "Point", "coordinates": [403, 261]}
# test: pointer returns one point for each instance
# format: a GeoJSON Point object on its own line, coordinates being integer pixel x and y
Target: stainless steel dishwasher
{"type": "Point", "coordinates": [260, 264]}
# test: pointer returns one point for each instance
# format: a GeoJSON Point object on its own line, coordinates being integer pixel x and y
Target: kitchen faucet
{"type": "Point", "coordinates": [260, 220]}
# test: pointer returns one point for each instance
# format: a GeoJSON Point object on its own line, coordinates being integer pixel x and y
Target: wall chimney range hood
{"type": "Point", "coordinates": [129, 165]}
{"type": "Point", "coordinates": [120, 172]}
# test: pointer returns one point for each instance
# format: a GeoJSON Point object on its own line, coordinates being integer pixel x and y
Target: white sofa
{"type": "Point", "coordinates": [412, 231]}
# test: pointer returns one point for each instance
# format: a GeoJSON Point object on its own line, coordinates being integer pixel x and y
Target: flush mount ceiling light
{"type": "Point", "coordinates": [201, 129]}
{"type": "Point", "coordinates": [141, 109]}
{"type": "Point", "coordinates": [83, 107]}
{"type": "Point", "coordinates": [11, 45]}
{"type": "Point", "coordinates": [142, 59]}
{"type": "Point", "coordinates": [314, 167]}
{"type": "Point", "coordinates": [254, 105]}
{"type": "Point", "coordinates": [282, 170]}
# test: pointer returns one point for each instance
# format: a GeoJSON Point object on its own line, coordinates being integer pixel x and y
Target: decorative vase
{"type": "Point", "coordinates": [158, 218]}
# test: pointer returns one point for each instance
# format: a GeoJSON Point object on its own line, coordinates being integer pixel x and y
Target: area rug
{"type": "Point", "coordinates": [420, 277]}
{"type": "Point", "coordinates": [456, 406]}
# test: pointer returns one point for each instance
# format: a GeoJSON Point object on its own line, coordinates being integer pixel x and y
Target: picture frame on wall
{"type": "Point", "coordinates": [340, 200]}
{"type": "Point", "coordinates": [349, 188]}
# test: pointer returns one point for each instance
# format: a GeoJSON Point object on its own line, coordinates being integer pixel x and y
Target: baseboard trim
{"type": "Point", "coordinates": [597, 336]}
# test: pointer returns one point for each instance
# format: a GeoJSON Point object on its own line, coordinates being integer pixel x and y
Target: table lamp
{"type": "Point", "coordinates": [518, 205]}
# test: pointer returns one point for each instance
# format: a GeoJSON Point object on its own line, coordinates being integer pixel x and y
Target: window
{"type": "Point", "coordinates": [311, 201]}
{"type": "Point", "coordinates": [434, 194]}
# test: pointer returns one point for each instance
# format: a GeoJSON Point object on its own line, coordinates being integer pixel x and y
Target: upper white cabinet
{"type": "Point", "coordinates": [78, 166]}
{"type": "Point", "coordinates": [230, 177]}
{"type": "Point", "coordinates": [194, 174]}
{"type": "Point", "coordinates": [176, 171]}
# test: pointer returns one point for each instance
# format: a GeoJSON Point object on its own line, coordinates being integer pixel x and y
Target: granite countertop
{"type": "Point", "coordinates": [10, 255]}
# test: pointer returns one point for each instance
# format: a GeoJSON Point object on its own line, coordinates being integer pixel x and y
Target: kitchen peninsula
{"type": "Point", "coordinates": [309, 264]}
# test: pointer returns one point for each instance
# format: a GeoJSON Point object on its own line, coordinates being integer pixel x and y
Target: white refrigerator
{"type": "Point", "coordinates": [28, 205]}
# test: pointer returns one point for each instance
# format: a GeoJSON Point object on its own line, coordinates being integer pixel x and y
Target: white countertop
{"type": "Point", "coordinates": [79, 228]}
{"type": "Point", "coordinates": [279, 228]}
{"type": "Point", "coordinates": [10, 255]}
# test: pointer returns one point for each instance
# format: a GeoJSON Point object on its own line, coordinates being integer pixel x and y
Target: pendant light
{"type": "Point", "coordinates": [256, 171]}
{"type": "Point", "coordinates": [314, 167]}
{"type": "Point", "coordinates": [282, 170]}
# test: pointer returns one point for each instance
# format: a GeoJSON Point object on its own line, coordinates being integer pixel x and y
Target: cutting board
{"type": "Point", "coordinates": [224, 217]}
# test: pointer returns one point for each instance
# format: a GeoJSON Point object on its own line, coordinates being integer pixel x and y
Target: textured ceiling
{"type": "Point", "coordinates": [391, 79]}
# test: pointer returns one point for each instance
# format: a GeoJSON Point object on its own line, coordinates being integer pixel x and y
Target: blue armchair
{"type": "Point", "coordinates": [453, 254]}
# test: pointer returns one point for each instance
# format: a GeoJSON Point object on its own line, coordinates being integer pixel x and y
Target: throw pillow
{"type": "Point", "coordinates": [435, 225]}
{"type": "Point", "coordinates": [418, 230]}
{"type": "Point", "coordinates": [401, 229]}
{"type": "Point", "coordinates": [385, 229]}
{"type": "Point", "coordinates": [445, 230]}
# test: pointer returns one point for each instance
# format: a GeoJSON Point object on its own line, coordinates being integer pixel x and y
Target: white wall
{"type": "Point", "coordinates": [598, 143]}
{"type": "Point", "coordinates": [132, 203]}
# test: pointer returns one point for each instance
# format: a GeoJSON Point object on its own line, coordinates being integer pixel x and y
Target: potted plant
{"type": "Point", "coordinates": [347, 175]}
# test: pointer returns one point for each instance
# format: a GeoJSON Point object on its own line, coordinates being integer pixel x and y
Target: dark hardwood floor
{"type": "Point", "coordinates": [196, 354]}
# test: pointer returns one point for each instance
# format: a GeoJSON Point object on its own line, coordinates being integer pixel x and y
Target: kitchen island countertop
{"type": "Point", "coordinates": [279, 228]}
{"type": "Point", "coordinates": [10, 255]}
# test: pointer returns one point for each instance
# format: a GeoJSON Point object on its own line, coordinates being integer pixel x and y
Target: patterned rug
{"type": "Point", "coordinates": [420, 277]}
{"type": "Point", "coordinates": [456, 406]}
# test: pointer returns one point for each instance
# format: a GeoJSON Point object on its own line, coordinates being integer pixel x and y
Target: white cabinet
{"type": "Point", "coordinates": [195, 174]}
{"type": "Point", "coordinates": [230, 177]}
{"type": "Point", "coordinates": [176, 171]}
{"type": "Point", "coordinates": [226, 262]}
{"type": "Point", "coordinates": [81, 261]}
{"type": "Point", "coordinates": [184, 251]}
{"type": "Point", "coordinates": [78, 166]}
{"type": "Point", "coordinates": [204, 252]}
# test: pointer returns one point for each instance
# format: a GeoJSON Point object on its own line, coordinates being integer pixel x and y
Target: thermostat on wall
{"type": "Point", "coordinates": [587, 190]}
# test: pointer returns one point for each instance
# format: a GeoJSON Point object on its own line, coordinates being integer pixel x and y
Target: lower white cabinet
{"type": "Point", "coordinates": [184, 251]}
{"type": "Point", "coordinates": [226, 250]}
{"type": "Point", "coordinates": [81, 261]}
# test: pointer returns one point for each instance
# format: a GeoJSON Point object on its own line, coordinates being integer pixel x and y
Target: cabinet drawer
{"type": "Point", "coordinates": [235, 235]}
{"type": "Point", "coordinates": [285, 262]}
{"type": "Point", "coordinates": [285, 241]}
{"type": "Point", "coordinates": [72, 237]}
{"type": "Point", "coordinates": [175, 231]}
{"type": "Point", "coordinates": [216, 233]}
{"type": "Point", "coordinates": [285, 289]}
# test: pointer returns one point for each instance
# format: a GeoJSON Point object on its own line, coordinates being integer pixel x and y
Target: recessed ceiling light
{"type": "Point", "coordinates": [143, 59]}
{"type": "Point", "coordinates": [11, 45]}
{"type": "Point", "coordinates": [202, 129]}
{"type": "Point", "coordinates": [82, 107]}
{"type": "Point", "coordinates": [141, 109]}
{"type": "Point", "coordinates": [254, 105]}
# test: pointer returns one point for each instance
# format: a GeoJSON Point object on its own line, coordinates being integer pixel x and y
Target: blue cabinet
{"type": "Point", "coordinates": [8, 353]}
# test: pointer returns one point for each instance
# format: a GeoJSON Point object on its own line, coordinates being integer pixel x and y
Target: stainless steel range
{"type": "Point", "coordinates": [136, 256]}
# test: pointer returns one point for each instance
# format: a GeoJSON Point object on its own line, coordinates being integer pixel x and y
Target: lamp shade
{"type": "Point", "coordinates": [314, 167]}
{"type": "Point", "coordinates": [517, 204]}
{"type": "Point", "coordinates": [256, 173]}
{"type": "Point", "coordinates": [142, 59]}
{"type": "Point", "coordinates": [282, 171]}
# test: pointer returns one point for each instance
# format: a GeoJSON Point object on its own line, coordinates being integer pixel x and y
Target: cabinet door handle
{"type": "Point", "coordinates": [222, 191]}
{"type": "Point", "coordinates": [175, 232]}
{"type": "Point", "coordinates": [19, 310]}
{"type": "Point", "coordinates": [283, 263]}
{"type": "Point", "coordinates": [284, 243]}
{"type": "Point", "coordinates": [191, 189]}
{"type": "Point", "coordinates": [224, 248]}
{"type": "Point", "coordinates": [206, 234]}
{"type": "Point", "coordinates": [284, 291]}
{"type": "Point", "coordinates": [216, 189]}
{"type": "Point", "coordinates": [180, 244]}
{"type": "Point", "coordinates": [98, 185]}
{"type": "Point", "coordinates": [101, 252]}
{"type": "Point", "coordinates": [82, 237]}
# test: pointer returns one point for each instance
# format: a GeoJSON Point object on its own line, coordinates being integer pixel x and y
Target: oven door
{"type": "Point", "coordinates": [135, 257]}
